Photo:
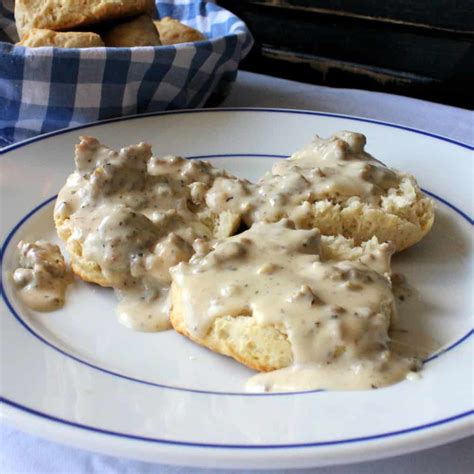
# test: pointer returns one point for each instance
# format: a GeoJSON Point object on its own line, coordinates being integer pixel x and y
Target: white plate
{"type": "Point", "coordinates": [77, 376]}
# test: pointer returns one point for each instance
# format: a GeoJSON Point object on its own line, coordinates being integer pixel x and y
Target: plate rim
{"type": "Point", "coordinates": [459, 422]}
{"type": "Point", "coordinates": [131, 117]}
{"type": "Point", "coordinates": [254, 447]}
{"type": "Point", "coordinates": [243, 458]}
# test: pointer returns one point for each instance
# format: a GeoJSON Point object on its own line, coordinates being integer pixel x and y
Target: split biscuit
{"type": "Point", "coordinates": [235, 329]}
{"type": "Point", "coordinates": [337, 187]}
{"type": "Point", "coordinates": [167, 194]}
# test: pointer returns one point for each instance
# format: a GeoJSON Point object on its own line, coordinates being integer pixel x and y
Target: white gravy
{"type": "Point", "coordinates": [136, 216]}
{"type": "Point", "coordinates": [42, 276]}
{"type": "Point", "coordinates": [337, 314]}
{"type": "Point", "coordinates": [337, 169]}
{"type": "Point", "coordinates": [145, 220]}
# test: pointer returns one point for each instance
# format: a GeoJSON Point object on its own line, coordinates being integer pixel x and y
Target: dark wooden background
{"type": "Point", "coordinates": [419, 48]}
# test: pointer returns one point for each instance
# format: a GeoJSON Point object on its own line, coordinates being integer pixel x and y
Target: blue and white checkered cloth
{"type": "Point", "coordinates": [45, 89]}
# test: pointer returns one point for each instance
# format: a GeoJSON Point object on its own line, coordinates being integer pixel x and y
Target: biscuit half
{"type": "Point", "coordinates": [402, 214]}
{"type": "Point", "coordinates": [202, 221]}
{"type": "Point", "coordinates": [267, 347]}
{"type": "Point", "coordinates": [262, 348]}
{"type": "Point", "coordinates": [219, 226]}
{"type": "Point", "coordinates": [369, 200]}
{"type": "Point", "coordinates": [404, 220]}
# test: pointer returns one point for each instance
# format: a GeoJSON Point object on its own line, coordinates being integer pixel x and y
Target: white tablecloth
{"type": "Point", "coordinates": [22, 453]}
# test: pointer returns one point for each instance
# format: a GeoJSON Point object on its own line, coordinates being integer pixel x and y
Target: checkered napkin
{"type": "Point", "coordinates": [45, 89]}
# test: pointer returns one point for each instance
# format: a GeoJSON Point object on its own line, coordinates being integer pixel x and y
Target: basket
{"type": "Point", "coordinates": [45, 89]}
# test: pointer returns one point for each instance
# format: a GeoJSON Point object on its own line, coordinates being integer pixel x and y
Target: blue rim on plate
{"type": "Point", "coordinates": [130, 436]}
{"type": "Point", "coordinates": [234, 109]}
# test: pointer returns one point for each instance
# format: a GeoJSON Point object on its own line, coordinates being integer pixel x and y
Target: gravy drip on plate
{"type": "Point", "coordinates": [336, 314]}
{"type": "Point", "coordinates": [409, 341]}
{"type": "Point", "coordinates": [42, 276]}
{"type": "Point", "coordinates": [135, 216]}
{"type": "Point", "coordinates": [336, 169]}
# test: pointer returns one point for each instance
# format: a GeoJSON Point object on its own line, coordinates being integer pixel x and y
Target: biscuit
{"type": "Point", "coordinates": [36, 38]}
{"type": "Point", "coordinates": [262, 348]}
{"type": "Point", "coordinates": [312, 190]}
{"type": "Point", "coordinates": [401, 213]}
{"type": "Point", "coordinates": [174, 32]}
{"type": "Point", "coordinates": [140, 31]}
{"type": "Point", "coordinates": [265, 347]}
{"type": "Point", "coordinates": [101, 171]}
{"type": "Point", "coordinates": [88, 270]}
{"type": "Point", "coordinates": [60, 15]}
{"type": "Point", "coordinates": [404, 218]}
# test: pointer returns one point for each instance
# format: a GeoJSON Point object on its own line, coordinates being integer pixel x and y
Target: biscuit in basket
{"type": "Point", "coordinates": [274, 296]}
{"type": "Point", "coordinates": [335, 186]}
{"type": "Point", "coordinates": [139, 31]}
{"type": "Point", "coordinates": [36, 38]}
{"type": "Point", "coordinates": [174, 32]}
{"type": "Point", "coordinates": [63, 15]}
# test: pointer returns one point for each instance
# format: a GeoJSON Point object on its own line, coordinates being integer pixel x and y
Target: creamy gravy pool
{"type": "Point", "coordinates": [135, 216]}
{"type": "Point", "coordinates": [337, 168]}
{"type": "Point", "coordinates": [336, 314]}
